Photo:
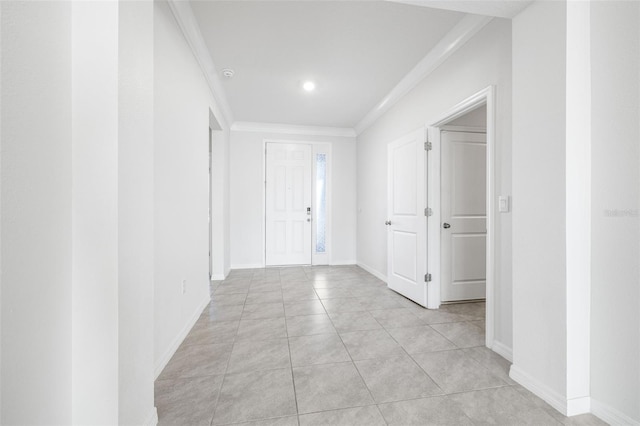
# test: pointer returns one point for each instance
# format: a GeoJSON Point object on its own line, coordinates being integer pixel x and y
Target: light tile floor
{"type": "Point", "coordinates": [334, 346]}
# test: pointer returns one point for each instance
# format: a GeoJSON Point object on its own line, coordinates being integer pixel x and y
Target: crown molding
{"type": "Point", "coordinates": [451, 42]}
{"type": "Point", "coordinates": [187, 22]}
{"type": "Point", "coordinates": [495, 8]}
{"type": "Point", "coordinates": [290, 129]}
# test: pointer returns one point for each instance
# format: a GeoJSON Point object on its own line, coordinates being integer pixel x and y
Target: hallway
{"type": "Point", "coordinates": [334, 346]}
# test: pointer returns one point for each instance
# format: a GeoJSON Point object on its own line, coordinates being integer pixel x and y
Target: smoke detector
{"type": "Point", "coordinates": [228, 72]}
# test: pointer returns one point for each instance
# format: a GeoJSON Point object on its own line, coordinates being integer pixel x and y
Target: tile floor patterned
{"type": "Point", "coordinates": [333, 346]}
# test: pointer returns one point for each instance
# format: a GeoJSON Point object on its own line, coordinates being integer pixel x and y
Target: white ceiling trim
{"type": "Point", "coordinates": [289, 129]}
{"type": "Point", "coordinates": [189, 26]}
{"type": "Point", "coordinates": [497, 8]}
{"type": "Point", "coordinates": [452, 41]}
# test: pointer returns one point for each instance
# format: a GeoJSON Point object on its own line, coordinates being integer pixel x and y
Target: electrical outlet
{"type": "Point", "coordinates": [184, 286]}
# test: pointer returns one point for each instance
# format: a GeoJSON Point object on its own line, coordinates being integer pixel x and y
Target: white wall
{"type": "Point", "coordinates": [485, 60]}
{"type": "Point", "coordinates": [615, 298]}
{"type": "Point", "coordinates": [1, 96]}
{"type": "Point", "coordinates": [539, 243]}
{"type": "Point", "coordinates": [135, 209]}
{"type": "Point", "coordinates": [78, 226]}
{"type": "Point", "coordinates": [112, 203]}
{"type": "Point", "coordinates": [247, 196]}
{"type": "Point", "coordinates": [95, 218]}
{"type": "Point", "coordinates": [576, 111]}
{"type": "Point", "coordinates": [182, 101]}
{"type": "Point", "coordinates": [36, 213]}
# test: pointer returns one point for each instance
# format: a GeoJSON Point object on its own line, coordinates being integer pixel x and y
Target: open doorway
{"type": "Point", "coordinates": [218, 200]}
{"type": "Point", "coordinates": [461, 185]}
{"type": "Point", "coordinates": [210, 204]}
{"type": "Point", "coordinates": [463, 208]}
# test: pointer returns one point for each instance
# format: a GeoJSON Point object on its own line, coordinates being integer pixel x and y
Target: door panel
{"type": "Point", "coordinates": [404, 255]}
{"type": "Point", "coordinates": [406, 228]}
{"type": "Point", "coordinates": [404, 180]}
{"type": "Point", "coordinates": [288, 196]}
{"type": "Point", "coordinates": [468, 174]}
{"type": "Point", "coordinates": [463, 207]}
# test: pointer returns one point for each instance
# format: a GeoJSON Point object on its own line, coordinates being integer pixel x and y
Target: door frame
{"type": "Point", "coordinates": [486, 96]}
{"type": "Point", "coordinates": [210, 203]}
{"type": "Point", "coordinates": [218, 179]}
{"type": "Point", "coordinates": [317, 147]}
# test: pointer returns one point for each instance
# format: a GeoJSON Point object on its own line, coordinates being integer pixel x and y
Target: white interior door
{"type": "Point", "coordinates": [463, 215]}
{"type": "Point", "coordinates": [406, 220]}
{"type": "Point", "coordinates": [288, 204]}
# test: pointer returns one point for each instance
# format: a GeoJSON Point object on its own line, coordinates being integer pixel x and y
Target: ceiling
{"type": "Point", "coordinates": [356, 52]}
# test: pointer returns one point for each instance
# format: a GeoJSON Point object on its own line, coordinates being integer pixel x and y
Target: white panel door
{"type": "Point", "coordinates": [464, 216]}
{"type": "Point", "coordinates": [288, 204]}
{"type": "Point", "coordinates": [406, 221]}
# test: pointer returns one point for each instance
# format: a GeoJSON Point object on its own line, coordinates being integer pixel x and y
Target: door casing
{"type": "Point", "coordinates": [210, 203]}
{"type": "Point", "coordinates": [485, 96]}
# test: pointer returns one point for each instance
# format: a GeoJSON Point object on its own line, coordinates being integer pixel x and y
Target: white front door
{"type": "Point", "coordinates": [288, 204]}
{"type": "Point", "coordinates": [406, 221]}
{"type": "Point", "coordinates": [463, 215]}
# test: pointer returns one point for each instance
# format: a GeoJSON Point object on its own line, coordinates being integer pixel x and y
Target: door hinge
{"type": "Point", "coordinates": [428, 212]}
{"type": "Point", "coordinates": [428, 146]}
{"type": "Point", "coordinates": [427, 278]}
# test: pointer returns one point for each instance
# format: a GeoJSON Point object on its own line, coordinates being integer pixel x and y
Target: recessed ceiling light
{"type": "Point", "coordinates": [228, 72]}
{"type": "Point", "coordinates": [309, 86]}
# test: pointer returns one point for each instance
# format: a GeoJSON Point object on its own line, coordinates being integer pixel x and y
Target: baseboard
{"type": "Point", "coordinates": [248, 266]}
{"type": "Point", "coordinates": [611, 415]}
{"type": "Point", "coordinates": [220, 277]}
{"type": "Point", "coordinates": [550, 396]}
{"type": "Point", "coordinates": [343, 263]}
{"type": "Point", "coordinates": [577, 406]}
{"type": "Point", "coordinates": [260, 265]}
{"type": "Point", "coordinates": [152, 418]}
{"type": "Point", "coordinates": [372, 271]}
{"type": "Point", "coordinates": [164, 360]}
{"type": "Point", "coordinates": [503, 350]}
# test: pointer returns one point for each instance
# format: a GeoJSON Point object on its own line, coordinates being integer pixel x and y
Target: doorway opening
{"type": "Point", "coordinates": [218, 200]}
{"type": "Point", "coordinates": [297, 203]}
{"type": "Point", "coordinates": [463, 208]}
{"type": "Point", "coordinates": [210, 204]}
{"type": "Point", "coordinates": [474, 146]}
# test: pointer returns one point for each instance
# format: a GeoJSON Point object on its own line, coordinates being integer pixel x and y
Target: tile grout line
{"type": "Point", "coordinates": [226, 368]}
{"type": "Point", "coordinates": [474, 356]}
{"type": "Point", "coordinates": [355, 366]}
{"type": "Point", "coordinates": [293, 381]}
{"type": "Point", "coordinates": [375, 403]}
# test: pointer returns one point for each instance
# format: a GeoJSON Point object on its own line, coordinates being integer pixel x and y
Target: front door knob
{"type": "Point", "coordinates": [446, 225]}
{"type": "Point", "coordinates": [387, 222]}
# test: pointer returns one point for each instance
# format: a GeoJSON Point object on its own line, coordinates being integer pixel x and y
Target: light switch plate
{"type": "Point", "coordinates": [503, 203]}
